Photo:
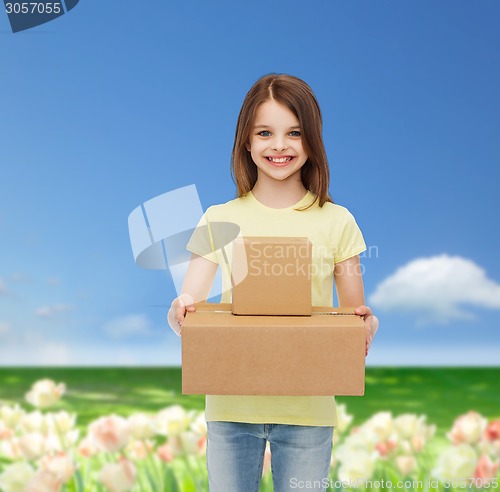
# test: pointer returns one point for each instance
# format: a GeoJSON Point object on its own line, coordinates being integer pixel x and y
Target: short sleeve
{"type": "Point", "coordinates": [201, 241]}
{"type": "Point", "coordinates": [351, 241]}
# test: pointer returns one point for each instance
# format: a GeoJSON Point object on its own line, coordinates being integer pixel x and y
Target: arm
{"type": "Point", "coordinates": [195, 288]}
{"type": "Point", "coordinates": [350, 291]}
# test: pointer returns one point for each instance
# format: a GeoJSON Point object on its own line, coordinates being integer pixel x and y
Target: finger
{"type": "Point", "coordinates": [183, 306]}
{"type": "Point", "coordinates": [175, 304]}
{"type": "Point", "coordinates": [179, 314]}
{"type": "Point", "coordinates": [363, 311]}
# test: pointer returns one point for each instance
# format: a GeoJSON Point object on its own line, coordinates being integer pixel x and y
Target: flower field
{"type": "Point", "coordinates": [130, 429]}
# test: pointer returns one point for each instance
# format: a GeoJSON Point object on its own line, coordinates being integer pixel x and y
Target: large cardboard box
{"type": "Point", "coordinates": [271, 276]}
{"type": "Point", "coordinates": [226, 354]}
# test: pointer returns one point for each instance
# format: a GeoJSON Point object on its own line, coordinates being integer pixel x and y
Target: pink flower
{"type": "Point", "coordinates": [87, 447]}
{"type": "Point", "coordinates": [44, 481]}
{"type": "Point", "coordinates": [61, 466]}
{"type": "Point", "coordinates": [139, 449]}
{"type": "Point", "coordinates": [188, 442]}
{"type": "Point", "coordinates": [385, 448]}
{"type": "Point", "coordinates": [45, 393]}
{"type": "Point", "coordinates": [119, 477]}
{"type": "Point", "coordinates": [110, 433]}
{"type": "Point", "coordinates": [418, 443]}
{"type": "Point", "coordinates": [165, 453]}
{"type": "Point", "coordinates": [492, 431]}
{"type": "Point", "coordinates": [11, 449]}
{"type": "Point", "coordinates": [267, 460]}
{"type": "Point", "coordinates": [485, 471]}
{"type": "Point", "coordinates": [468, 428]}
{"type": "Point", "coordinates": [5, 432]}
{"type": "Point", "coordinates": [202, 444]}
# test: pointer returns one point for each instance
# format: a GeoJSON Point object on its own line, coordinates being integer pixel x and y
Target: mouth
{"type": "Point", "coordinates": [280, 161]}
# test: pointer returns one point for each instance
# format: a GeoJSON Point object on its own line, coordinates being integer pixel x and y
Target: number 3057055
{"type": "Point", "coordinates": [33, 8]}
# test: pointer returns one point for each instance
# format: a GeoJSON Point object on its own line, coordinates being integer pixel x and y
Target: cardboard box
{"type": "Point", "coordinates": [224, 354]}
{"type": "Point", "coordinates": [271, 276]}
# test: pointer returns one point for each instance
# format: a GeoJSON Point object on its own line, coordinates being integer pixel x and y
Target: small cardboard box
{"type": "Point", "coordinates": [318, 355]}
{"type": "Point", "coordinates": [271, 276]}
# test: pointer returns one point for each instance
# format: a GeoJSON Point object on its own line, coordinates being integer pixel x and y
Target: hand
{"type": "Point", "coordinates": [371, 324]}
{"type": "Point", "coordinates": [177, 312]}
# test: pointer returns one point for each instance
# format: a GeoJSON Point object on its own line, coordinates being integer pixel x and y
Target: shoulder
{"type": "Point", "coordinates": [335, 208]}
{"type": "Point", "coordinates": [340, 220]}
{"type": "Point", "coordinates": [228, 208]}
{"type": "Point", "coordinates": [337, 211]}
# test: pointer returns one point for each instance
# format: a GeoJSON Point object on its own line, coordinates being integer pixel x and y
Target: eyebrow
{"type": "Point", "coordinates": [267, 126]}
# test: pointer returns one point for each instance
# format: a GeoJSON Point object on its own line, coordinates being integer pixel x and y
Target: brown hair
{"type": "Point", "coordinates": [297, 96]}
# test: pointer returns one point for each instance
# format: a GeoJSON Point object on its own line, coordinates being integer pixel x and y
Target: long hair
{"type": "Point", "coordinates": [297, 96]}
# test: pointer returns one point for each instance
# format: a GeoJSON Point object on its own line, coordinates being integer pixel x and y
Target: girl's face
{"type": "Point", "coordinates": [275, 142]}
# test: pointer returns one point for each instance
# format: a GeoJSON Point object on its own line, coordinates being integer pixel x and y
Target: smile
{"type": "Point", "coordinates": [279, 160]}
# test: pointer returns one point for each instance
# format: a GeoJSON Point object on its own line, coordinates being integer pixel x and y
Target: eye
{"type": "Point", "coordinates": [264, 133]}
{"type": "Point", "coordinates": [295, 133]}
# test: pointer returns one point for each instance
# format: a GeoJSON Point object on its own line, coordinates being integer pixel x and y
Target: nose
{"type": "Point", "coordinates": [279, 145]}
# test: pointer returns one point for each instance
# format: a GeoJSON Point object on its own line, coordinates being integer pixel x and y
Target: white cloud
{"type": "Point", "coordinates": [129, 325]}
{"type": "Point", "coordinates": [19, 277]}
{"type": "Point", "coordinates": [3, 288]}
{"type": "Point", "coordinates": [437, 289]}
{"type": "Point", "coordinates": [51, 312]}
{"type": "Point", "coordinates": [4, 328]}
{"type": "Point", "coordinates": [54, 281]}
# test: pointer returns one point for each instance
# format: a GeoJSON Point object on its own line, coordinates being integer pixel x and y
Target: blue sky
{"type": "Point", "coordinates": [114, 103]}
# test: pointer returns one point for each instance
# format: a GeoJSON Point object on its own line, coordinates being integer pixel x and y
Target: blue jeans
{"type": "Point", "coordinates": [299, 454]}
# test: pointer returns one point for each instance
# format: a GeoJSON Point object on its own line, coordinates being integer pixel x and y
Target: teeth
{"type": "Point", "coordinates": [281, 160]}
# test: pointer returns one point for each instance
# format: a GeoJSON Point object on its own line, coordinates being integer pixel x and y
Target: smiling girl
{"type": "Point", "coordinates": [281, 172]}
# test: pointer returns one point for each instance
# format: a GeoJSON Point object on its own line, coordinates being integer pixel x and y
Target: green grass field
{"type": "Point", "coordinates": [440, 393]}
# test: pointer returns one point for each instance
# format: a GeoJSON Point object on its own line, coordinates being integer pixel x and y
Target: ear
{"type": "Point", "coordinates": [248, 147]}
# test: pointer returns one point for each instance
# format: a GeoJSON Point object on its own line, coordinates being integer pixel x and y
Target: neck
{"type": "Point", "coordinates": [278, 194]}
